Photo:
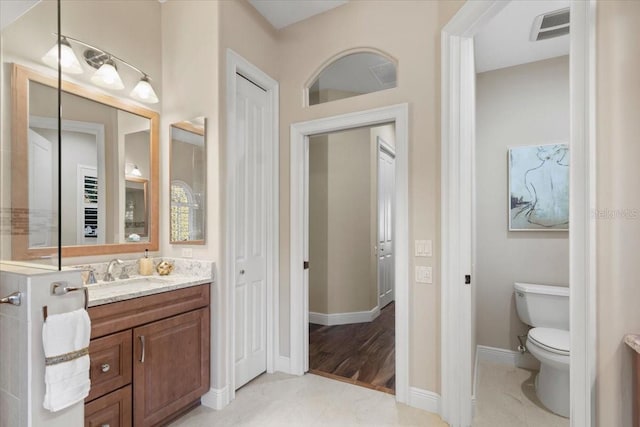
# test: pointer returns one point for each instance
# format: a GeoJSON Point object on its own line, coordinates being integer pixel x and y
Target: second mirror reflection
{"type": "Point", "coordinates": [188, 181]}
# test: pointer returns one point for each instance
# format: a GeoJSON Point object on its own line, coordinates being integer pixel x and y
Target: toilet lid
{"type": "Point", "coordinates": [556, 340]}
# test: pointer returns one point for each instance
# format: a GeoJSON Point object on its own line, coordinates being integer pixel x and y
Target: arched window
{"type": "Point", "coordinates": [183, 206]}
{"type": "Point", "coordinates": [351, 75]}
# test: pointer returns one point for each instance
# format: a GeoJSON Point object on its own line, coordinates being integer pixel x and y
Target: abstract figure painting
{"type": "Point", "coordinates": [539, 187]}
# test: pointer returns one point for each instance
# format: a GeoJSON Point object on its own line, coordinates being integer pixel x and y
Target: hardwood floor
{"type": "Point", "coordinates": [360, 353]}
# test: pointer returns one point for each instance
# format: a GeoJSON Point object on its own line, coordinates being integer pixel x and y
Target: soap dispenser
{"type": "Point", "coordinates": [146, 264]}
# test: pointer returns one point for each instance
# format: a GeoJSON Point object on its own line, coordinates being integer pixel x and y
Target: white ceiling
{"type": "Point", "coordinates": [282, 13]}
{"type": "Point", "coordinates": [504, 42]}
{"type": "Point", "coordinates": [10, 10]}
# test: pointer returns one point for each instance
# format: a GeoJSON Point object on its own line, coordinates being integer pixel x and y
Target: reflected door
{"type": "Point", "coordinates": [253, 118]}
{"type": "Point", "coordinates": [386, 258]}
{"type": "Point", "coordinates": [41, 180]}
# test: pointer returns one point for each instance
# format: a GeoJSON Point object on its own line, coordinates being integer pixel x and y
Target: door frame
{"type": "Point", "coordinates": [382, 145]}
{"type": "Point", "coordinates": [299, 285]}
{"type": "Point", "coordinates": [458, 128]}
{"type": "Point", "coordinates": [236, 64]}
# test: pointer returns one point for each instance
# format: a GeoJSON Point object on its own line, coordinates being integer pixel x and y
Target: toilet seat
{"type": "Point", "coordinates": [556, 341]}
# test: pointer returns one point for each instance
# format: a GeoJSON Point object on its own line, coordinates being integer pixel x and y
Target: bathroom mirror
{"type": "Point", "coordinates": [136, 220]}
{"type": "Point", "coordinates": [188, 181]}
{"type": "Point", "coordinates": [109, 158]}
{"type": "Point", "coordinates": [351, 75]}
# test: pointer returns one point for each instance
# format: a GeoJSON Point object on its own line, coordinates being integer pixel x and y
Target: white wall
{"type": "Point", "coordinates": [618, 182]}
{"type": "Point", "coordinates": [522, 105]}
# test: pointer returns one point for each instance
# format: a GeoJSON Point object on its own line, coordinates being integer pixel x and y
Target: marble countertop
{"type": "Point", "coordinates": [633, 341]}
{"type": "Point", "coordinates": [139, 286]}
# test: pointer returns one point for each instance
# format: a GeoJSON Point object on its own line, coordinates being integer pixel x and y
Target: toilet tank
{"type": "Point", "coordinates": [543, 306]}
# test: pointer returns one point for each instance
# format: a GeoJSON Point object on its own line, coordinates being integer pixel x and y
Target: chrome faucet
{"type": "Point", "coordinates": [108, 276]}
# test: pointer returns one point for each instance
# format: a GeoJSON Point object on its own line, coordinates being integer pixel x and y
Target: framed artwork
{"type": "Point", "coordinates": [539, 188]}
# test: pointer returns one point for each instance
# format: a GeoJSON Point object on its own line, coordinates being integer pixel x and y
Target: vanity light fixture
{"type": "Point", "coordinates": [104, 62]}
{"type": "Point", "coordinates": [135, 172]}
{"type": "Point", "coordinates": [68, 59]}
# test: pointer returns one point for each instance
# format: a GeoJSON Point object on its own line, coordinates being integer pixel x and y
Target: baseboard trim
{"type": "Point", "coordinates": [503, 356]}
{"type": "Point", "coordinates": [424, 399]}
{"type": "Point", "coordinates": [344, 318]}
{"type": "Point", "coordinates": [283, 364]}
{"type": "Point", "coordinates": [497, 355]}
{"type": "Point", "coordinates": [216, 398]}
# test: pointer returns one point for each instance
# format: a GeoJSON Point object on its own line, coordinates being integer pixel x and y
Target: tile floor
{"type": "Point", "coordinates": [286, 400]}
{"type": "Point", "coordinates": [506, 398]}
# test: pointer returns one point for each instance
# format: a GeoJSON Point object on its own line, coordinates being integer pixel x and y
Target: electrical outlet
{"type": "Point", "coordinates": [423, 274]}
{"type": "Point", "coordinates": [187, 253]}
{"type": "Point", "coordinates": [423, 248]}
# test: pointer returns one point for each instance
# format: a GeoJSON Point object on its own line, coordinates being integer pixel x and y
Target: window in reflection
{"type": "Point", "coordinates": [183, 207]}
{"type": "Point", "coordinates": [352, 75]}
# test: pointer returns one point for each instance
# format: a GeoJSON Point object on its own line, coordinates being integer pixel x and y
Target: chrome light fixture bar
{"type": "Point", "coordinates": [105, 62]}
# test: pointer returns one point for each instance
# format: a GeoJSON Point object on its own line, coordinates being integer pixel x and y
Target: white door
{"type": "Point", "coordinates": [386, 185]}
{"type": "Point", "coordinates": [253, 127]}
{"type": "Point", "coordinates": [41, 182]}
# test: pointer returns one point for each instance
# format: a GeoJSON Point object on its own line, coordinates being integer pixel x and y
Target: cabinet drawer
{"type": "Point", "coordinates": [110, 363]}
{"type": "Point", "coordinates": [111, 410]}
{"type": "Point", "coordinates": [118, 316]}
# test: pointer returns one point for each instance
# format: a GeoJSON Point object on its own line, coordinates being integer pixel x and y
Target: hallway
{"type": "Point", "coordinates": [358, 353]}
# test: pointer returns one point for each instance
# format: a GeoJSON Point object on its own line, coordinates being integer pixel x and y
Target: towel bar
{"type": "Point", "coordinates": [63, 288]}
{"type": "Point", "coordinates": [13, 299]}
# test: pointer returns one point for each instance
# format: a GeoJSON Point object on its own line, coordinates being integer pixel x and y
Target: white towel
{"type": "Point", "coordinates": [66, 382]}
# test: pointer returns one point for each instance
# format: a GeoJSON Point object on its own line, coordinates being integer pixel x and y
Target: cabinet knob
{"type": "Point", "coordinates": [105, 367]}
{"type": "Point", "coordinates": [241, 272]}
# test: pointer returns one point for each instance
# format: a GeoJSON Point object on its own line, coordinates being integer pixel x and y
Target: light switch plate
{"type": "Point", "coordinates": [424, 248]}
{"type": "Point", "coordinates": [423, 274]}
{"type": "Point", "coordinates": [187, 253]}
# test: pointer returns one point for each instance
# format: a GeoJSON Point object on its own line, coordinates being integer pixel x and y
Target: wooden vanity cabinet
{"type": "Point", "coordinates": [149, 358]}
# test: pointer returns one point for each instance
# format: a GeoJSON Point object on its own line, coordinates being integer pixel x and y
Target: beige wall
{"type": "Point", "coordinates": [618, 184]}
{"type": "Point", "coordinates": [342, 274]}
{"type": "Point", "coordinates": [191, 62]}
{"type": "Point", "coordinates": [522, 105]}
{"type": "Point", "coordinates": [411, 36]}
{"type": "Point", "coordinates": [319, 224]}
{"type": "Point", "coordinates": [195, 38]}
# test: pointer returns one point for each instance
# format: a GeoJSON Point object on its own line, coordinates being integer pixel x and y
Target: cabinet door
{"type": "Point", "coordinates": [112, 410]}
{"type": "Point", "coordinates": [171, 366]}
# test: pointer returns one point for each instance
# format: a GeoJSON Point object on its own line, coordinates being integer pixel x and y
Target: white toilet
{"type": "Point", "coordinates": [546, 308]}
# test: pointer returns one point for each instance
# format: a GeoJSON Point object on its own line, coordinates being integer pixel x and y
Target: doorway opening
{"type": "Point", "coordinates": [299, 234]}
{"type": "Point", "coordinates": [521, 219]}
{"type": "Point", "coordinates": [458, 139]}
{"type": "Point", "coordinates": [351, 256]}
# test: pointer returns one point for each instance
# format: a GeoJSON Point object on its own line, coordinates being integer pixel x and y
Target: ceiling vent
{"type": "Point", "coordinates": [385, 74]}
{"type": "Point", "coordinates": [550, 25]}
